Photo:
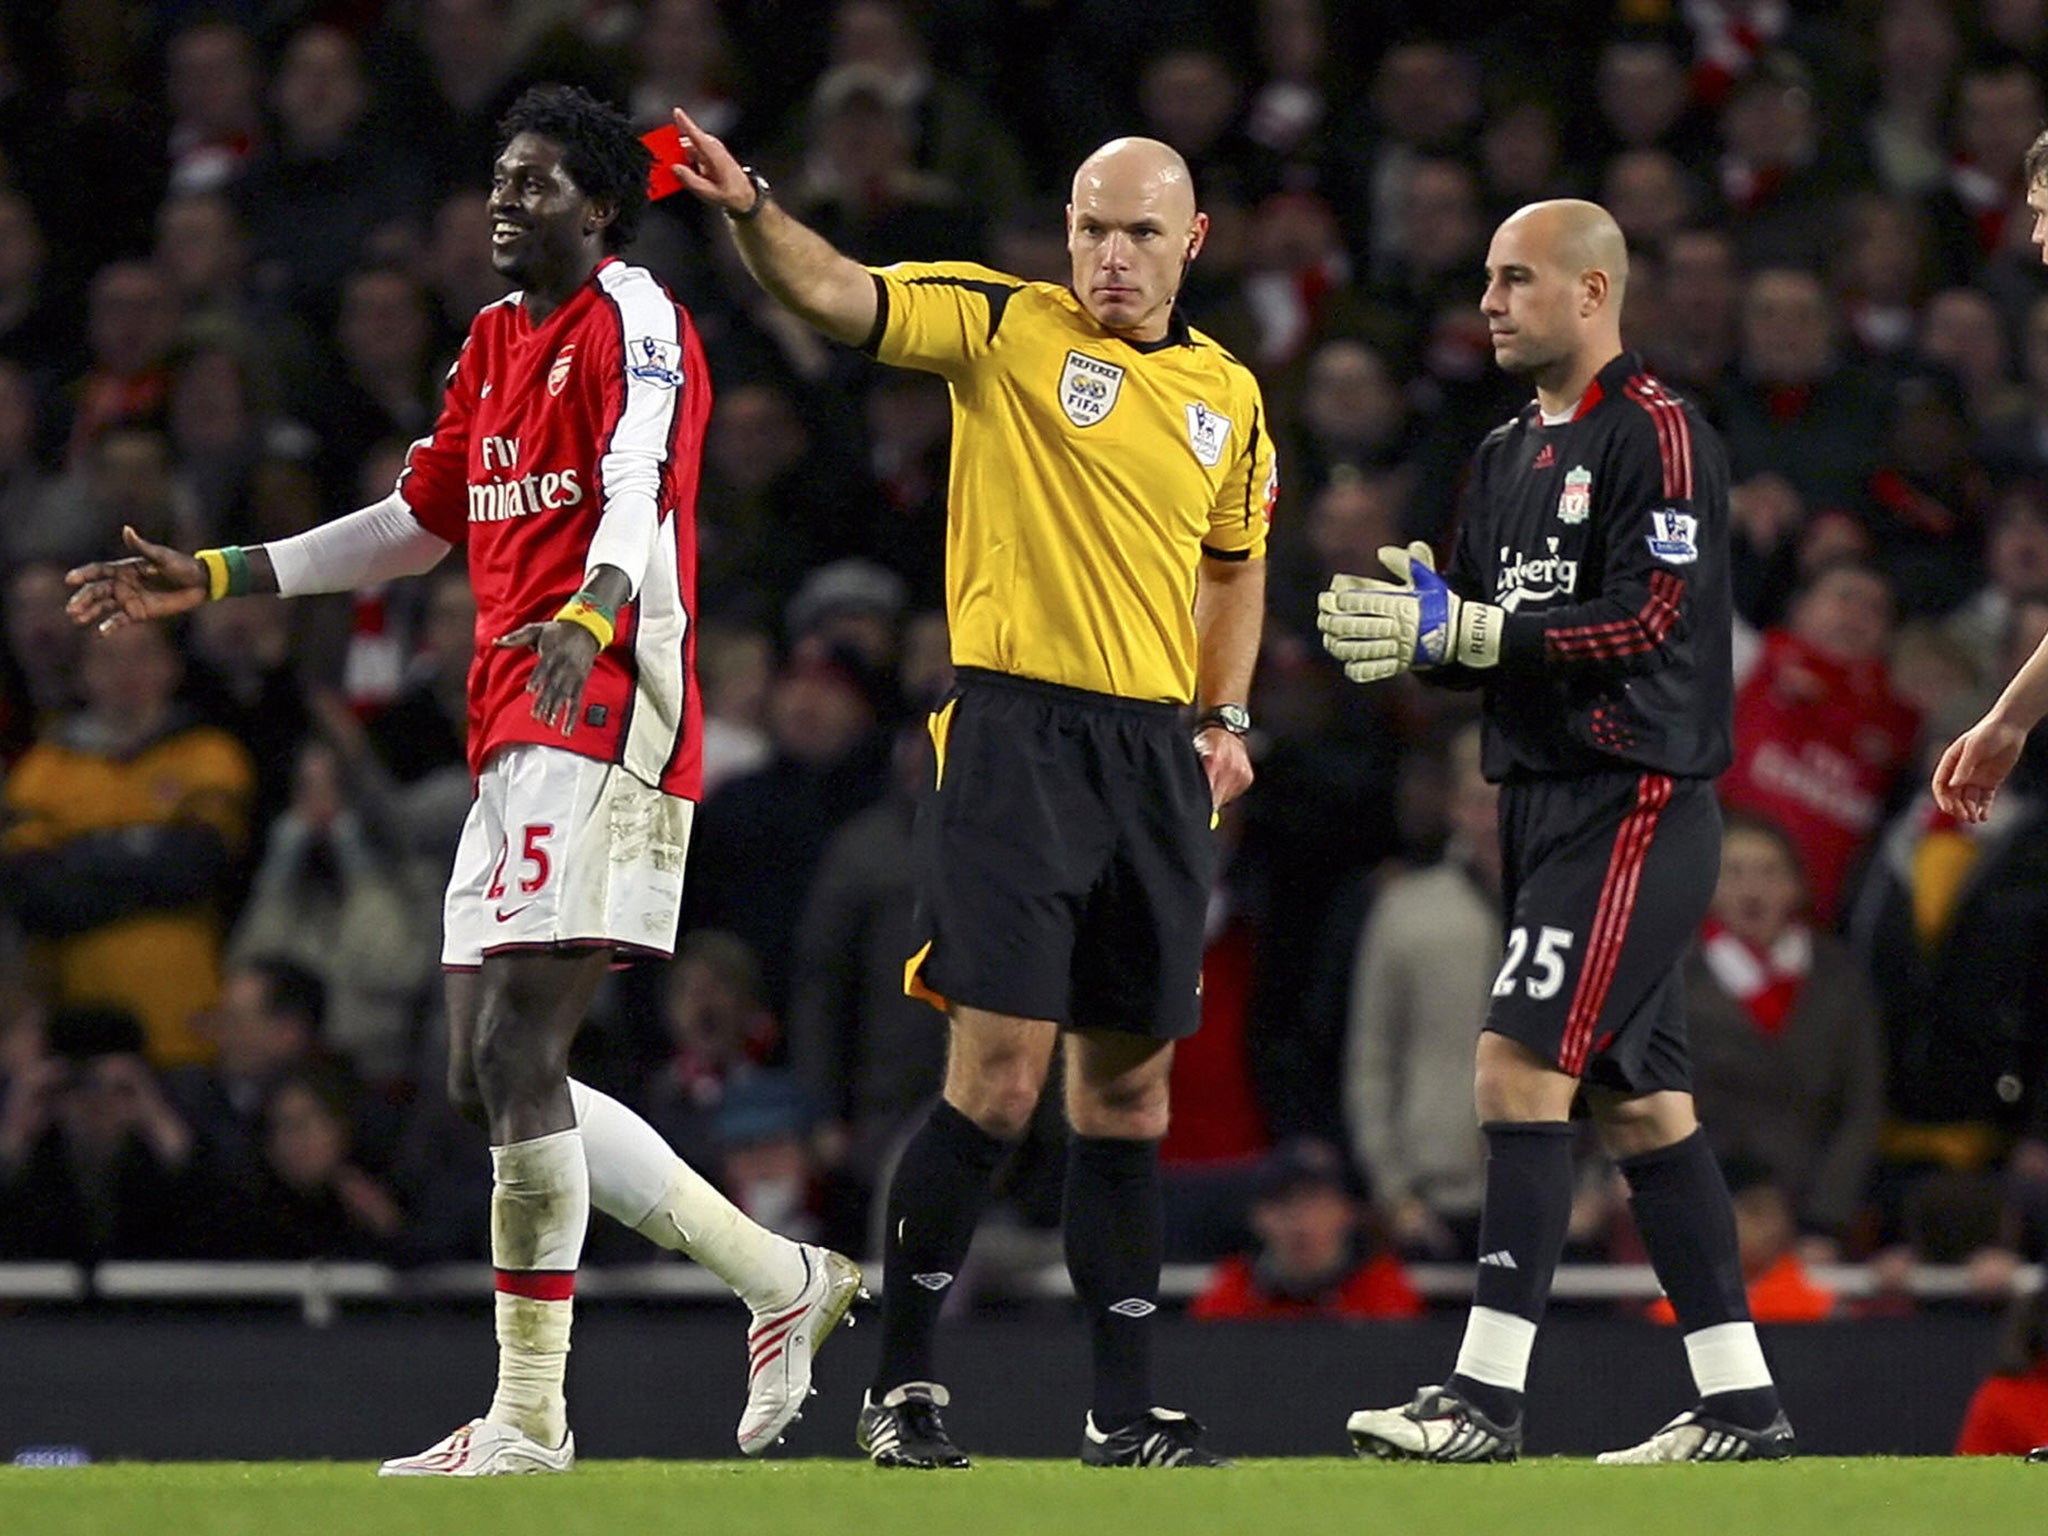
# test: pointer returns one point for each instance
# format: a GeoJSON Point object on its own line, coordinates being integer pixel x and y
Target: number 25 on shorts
{"type": "Point", "coordinates": [1546, 965]}
{"type": "Point", "coordinates": [533, 862]}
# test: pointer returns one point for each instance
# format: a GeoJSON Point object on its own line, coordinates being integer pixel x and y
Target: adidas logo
{"type": "Point", "coordinates": [1546, 458]}
{"type": "Point", "coordinates": [933, 1280]}
{"type": "Point", "coordinates": [1500, 1258]}
{"type": "Point", "coordinates": [1133, 1306]}
{"type": "Point", "coordinates": [878, 1430]}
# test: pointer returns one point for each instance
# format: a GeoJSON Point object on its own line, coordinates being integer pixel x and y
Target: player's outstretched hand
{"type": "Point", "coordinates": [567, 652]}
{"type": "Point", "coordinates": [1966, 779]}
{"type": "Point", "coordinates": [709, 170]}
{"type": "Point", "coordinates": [156, 582]}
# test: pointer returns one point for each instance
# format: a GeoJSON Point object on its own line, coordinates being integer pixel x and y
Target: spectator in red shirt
{"type": "Point", "coordinates": [1316, 1258]}
{"type": "Point", "coordinates": [2008, 1414]}
{"type": "Point", "coordinates": [1820, 738]}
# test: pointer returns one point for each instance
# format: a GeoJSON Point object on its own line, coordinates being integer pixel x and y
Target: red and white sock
{"type": "Point", "coordinates": [540, 1207]}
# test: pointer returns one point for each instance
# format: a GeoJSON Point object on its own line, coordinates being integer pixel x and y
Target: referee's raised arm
{"type": "Point", "coordinates": [799, 267]}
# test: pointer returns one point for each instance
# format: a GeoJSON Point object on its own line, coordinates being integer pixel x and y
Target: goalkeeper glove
{"type": "Point", "coordinates": [1379, 629]}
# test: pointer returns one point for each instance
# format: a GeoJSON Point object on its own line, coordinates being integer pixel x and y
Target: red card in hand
{"type": "Point", "coordinates": [667, 147]}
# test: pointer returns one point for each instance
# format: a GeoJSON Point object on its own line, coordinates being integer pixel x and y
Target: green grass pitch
{"type": "Point", "coordinates": [1866, 1497]}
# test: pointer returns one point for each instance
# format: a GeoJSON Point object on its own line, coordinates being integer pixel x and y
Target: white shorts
{"type": "Point", "coordinates": [564, 851]}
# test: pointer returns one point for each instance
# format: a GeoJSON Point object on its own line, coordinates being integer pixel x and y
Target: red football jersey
{"type": "Point", "coordinates": [545, 430]}
{"type": "Point", "coordinates": [1818, 746]}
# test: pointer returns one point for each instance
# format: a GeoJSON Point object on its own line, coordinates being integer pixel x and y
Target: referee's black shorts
{"type": "Point", "coordinates": [1064, 859]}
{"type": "Point", "coordinates": [1605, 879]}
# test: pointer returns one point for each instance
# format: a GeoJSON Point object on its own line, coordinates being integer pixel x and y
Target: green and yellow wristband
{"type": "Point", "coordinates": [227, 572]}
{"type": "Point", "coordinates": [599, 620]}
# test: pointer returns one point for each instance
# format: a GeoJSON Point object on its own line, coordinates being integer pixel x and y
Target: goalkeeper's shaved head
{"type": "Point", "coordinates": [1555, 275]}
{"type": "Point", "coordinates": [1589, 239]}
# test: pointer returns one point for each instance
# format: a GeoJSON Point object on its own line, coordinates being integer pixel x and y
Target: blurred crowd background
{"type": "Point", "coordinates": [240, 242]}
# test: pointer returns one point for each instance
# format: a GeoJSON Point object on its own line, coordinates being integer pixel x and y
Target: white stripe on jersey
{"type": "Point", "coordinates": [634, 532]}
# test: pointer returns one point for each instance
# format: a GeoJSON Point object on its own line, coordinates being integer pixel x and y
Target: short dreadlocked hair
{"type": "Point", "coordinates": [603, 154]}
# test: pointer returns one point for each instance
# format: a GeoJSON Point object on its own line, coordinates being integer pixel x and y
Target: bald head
{"type": "Point", "coordinates": [1579, 236]}
{"type": "Point", "coordinates": [1143, 167]}
{"type": "Point", "coordinates": [1132, 228]}
{"type": "Point", "coordinates": [1555, 274]}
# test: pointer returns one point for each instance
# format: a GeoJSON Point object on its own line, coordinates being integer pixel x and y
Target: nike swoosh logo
{"type": "Point", "coordinates": [506, 917]}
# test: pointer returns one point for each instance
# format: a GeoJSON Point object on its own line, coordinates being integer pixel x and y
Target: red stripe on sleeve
{"type": "Point", "coordinates": [1642, 631]}
{"type": "Point", "coordinates": [537, 1284]}
{"type": "Point", "coordinates": [1674, 434]}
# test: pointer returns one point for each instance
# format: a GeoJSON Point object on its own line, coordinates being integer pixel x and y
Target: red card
{"type": "Point", "coordinates": [667, 147]}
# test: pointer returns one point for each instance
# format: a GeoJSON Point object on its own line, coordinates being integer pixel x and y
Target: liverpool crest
{"type": "Point", "coordinates": [1577, 498]}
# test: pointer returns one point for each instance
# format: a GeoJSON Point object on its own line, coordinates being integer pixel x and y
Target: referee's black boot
{"type": "Point", "coordinates": [904, 1428]}
{"type": "Point", "coordinates": [1159, 1437]}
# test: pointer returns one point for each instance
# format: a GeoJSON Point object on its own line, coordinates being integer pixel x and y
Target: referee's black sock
{"type": "Point", "coordinates": [1688, 1226]}
{"type": "Point", "coordinates": [1115, 1243]}
{"type": "Point", "coordinates": [935, 1199]}
{"type": "Point", "coordinates": [1521, 1234]}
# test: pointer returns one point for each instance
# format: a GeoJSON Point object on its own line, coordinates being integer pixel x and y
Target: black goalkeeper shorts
{"type": "Point", "coordinates": [1606, 878]}
{"type": "Point", "coordinates": [1064, 858]}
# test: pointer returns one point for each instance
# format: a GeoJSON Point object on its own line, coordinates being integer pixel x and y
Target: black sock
{"type": "Point", "coordinates": [1521, 1235]}
{"type": "Point", "coordinates": [1115, 1242]}
{"type": "Point", "coordinates": [1688, 1227]}
{"type": "Point", "coordinates": [935, 1199]}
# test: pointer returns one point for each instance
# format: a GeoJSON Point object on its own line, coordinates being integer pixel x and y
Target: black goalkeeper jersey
{"type": "Point", "coordinates": [1605, 538]}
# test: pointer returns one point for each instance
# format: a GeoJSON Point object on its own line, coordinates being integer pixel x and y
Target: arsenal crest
{"type": "Point", "coordinates": [1088, 388]}
{"type": "Point", "coordinates": [1577, 500]}
{"type": "Point", "coordinates": [1207, 433]}
{"type": "Point", "coordinates": [558, 372]}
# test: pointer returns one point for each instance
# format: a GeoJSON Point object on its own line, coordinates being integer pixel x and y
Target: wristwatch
{"type": "Point", "coordinates": [1234, 718]}
{"type": "Point", "coordinates": [762, 192]}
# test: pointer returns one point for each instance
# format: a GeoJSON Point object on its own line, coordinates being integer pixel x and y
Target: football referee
{"type": "Point", "coordinates": [1111, 481]}
{"type": "Point", "coordinates": [1588, 596]}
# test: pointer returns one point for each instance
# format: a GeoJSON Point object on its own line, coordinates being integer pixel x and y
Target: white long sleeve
{"type": "Point", "coordinates": [376, 543]}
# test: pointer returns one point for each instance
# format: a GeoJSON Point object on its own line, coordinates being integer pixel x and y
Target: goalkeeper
{"type": "Point", "coordinates": [1587, 596]}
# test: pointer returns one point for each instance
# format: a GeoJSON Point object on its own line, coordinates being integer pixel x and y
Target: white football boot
{"type": "Point", "coordinates": [484, 1448]}
{"type": "Point", "coordinates": [782, 1341]}
{"type": "Point", "coordinates": [1693, 1436]}
{"type": "Point", "coordinates": [1439, 1425]}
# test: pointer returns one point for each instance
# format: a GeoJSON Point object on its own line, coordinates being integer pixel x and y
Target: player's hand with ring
{"type": "Point", "coordinates": [1379, 629]}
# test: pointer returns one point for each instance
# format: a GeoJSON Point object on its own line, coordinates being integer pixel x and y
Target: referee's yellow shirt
{"type": "Point", "coordinates": [1090, 474]}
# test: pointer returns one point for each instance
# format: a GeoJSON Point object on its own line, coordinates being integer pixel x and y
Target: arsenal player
{"type": "Point", "coordinates": [565, 463]}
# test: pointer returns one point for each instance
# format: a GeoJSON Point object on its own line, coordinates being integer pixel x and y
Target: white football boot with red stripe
{"type": "Point", "coordinates": [484, 1448]}
{"type": "Point", "coordinates": [783, 1340]}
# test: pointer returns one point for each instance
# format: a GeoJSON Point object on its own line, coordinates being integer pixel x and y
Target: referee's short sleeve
{"type": "Point", "coordinates": [941, 316]}
{"type": "Point", "coordinates": [1243, 512]}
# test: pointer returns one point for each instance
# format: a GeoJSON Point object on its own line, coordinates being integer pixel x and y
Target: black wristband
{"type": "Point", "coordinates": [762, 192]}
